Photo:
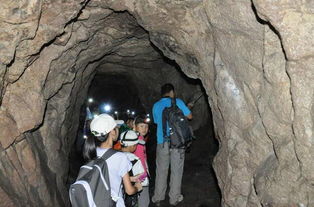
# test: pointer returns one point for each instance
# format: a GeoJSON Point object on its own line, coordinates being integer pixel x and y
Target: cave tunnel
{"type": "Point", "coordinates": [252, 60]}
{"type": "Point", "coordinates": [130, 85]}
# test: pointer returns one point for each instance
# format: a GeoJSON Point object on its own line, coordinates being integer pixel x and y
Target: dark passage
{"type": "Point", "coordinates": [117, 91]}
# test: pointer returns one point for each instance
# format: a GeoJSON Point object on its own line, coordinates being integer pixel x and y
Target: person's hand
{"type": "Point", "coordinates": [138, 186]}
{"type": "Point", "coordinates": [190, 105]}
{"type": "Point", "coordinates": [135, 179]}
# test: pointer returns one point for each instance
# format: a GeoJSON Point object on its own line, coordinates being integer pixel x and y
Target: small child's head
{"type": "Point", "coordinates": [130, 122]}
{"type": "Point", "coordinates": [141, 125]}
{"type": "Point", "coordinates": [129, 141]}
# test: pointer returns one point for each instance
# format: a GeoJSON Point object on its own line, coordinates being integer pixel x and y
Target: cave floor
{"type": "Point", "coordinates": [199, 185]}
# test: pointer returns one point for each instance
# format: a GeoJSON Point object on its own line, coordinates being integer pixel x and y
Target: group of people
{"type": "Point", "coordinates": [128, 168]}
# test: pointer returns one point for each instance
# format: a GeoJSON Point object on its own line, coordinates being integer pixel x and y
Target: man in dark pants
{"type": "Point", "coordinates": [166, 156]}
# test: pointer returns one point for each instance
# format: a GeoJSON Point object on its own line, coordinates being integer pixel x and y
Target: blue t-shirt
{"type": "Point", "coordinates": [158, 108]}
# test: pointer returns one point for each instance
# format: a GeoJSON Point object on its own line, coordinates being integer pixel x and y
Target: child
{"type": "Point", "coordinates": [129, 141]}
{"type": "Point", "coordinates": [128, 125]}
{"type": "Point", "coordinates": [104, 132]}
{"type": "Point", "coordinates": [141, 126]}
{"type": "Point", "coordinates": [130, 122]}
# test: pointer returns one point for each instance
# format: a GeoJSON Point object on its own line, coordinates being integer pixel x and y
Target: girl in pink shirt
{"type": "Point", "coordinates": [141, 126]}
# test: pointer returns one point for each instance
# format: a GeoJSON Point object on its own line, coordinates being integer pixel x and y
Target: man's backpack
{"type": "Point", "coordinates": [92, 186]}
{"type": "Point", "coordinates": [180, 134]}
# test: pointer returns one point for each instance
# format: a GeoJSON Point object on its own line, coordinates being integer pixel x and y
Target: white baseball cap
{"type": "Point", "coordinates": [119, 122]}
{"type": "Point", "coordinates": [102, 125]}
{"type": "Point", "coordinates": [129, 138]}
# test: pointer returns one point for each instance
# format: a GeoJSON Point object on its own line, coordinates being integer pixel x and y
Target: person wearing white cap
{"type": "Point", "coordinates": [105, 131]}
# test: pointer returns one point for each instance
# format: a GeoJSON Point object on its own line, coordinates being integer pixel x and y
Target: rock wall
{"type": "Point", "coordinates": [41, 102]}
{"type": "Point", "coordinates": [254, 58]}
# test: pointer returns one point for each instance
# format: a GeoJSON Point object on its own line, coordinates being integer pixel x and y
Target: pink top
{"type": "Point", "coordinates": [141, 153]}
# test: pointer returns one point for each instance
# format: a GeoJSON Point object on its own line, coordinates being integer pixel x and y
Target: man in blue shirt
{"type": "Point", "coordinates": [166, 156]}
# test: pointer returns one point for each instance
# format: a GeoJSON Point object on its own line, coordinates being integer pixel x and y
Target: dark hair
{"type": "Point", "coordinates": [129, 118]}
{"type": "Point", "coordinates": [166, 88]}
{"type": "Point", "coordinates": [140, 119]}
{"type": "Point", "coordinates": [89, 150]}
{"type": "Point", "coordinates": [87, 127]}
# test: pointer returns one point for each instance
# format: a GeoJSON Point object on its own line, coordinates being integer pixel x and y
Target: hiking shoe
{"type": "Point", "coordinates": [180, 199]}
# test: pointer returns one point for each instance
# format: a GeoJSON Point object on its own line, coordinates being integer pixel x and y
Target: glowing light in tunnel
{"type": "Point", "coordinates": [107, 108]}
{"type": "Point", "coordinates": [90, 100]}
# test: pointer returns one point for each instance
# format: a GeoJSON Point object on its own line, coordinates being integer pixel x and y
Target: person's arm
{"type": "Point", "coordinates": [190, 116]}
{"type": "Point", "coordinates": [136, 178]}
{"type": "Point", "coordinates": [186, 111]}
{"type": "Point", "coordinates": [128, 187]}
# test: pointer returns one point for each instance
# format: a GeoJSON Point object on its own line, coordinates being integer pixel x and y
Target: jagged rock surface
{"type": "Point", "coordinates": [255, 60]}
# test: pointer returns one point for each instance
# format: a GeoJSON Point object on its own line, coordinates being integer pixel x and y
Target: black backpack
{"type": "Point", "coordinates": [92, 186]}
{"type": "Point", "coordinates": [181, 135]}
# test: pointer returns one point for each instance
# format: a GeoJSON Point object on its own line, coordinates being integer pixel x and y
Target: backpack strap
{"type": "Point", "coordinates": [165, 120]}
{"type": "Point", "coordinates": [108, 154]}
{"type": "Point", "coordinates": [164, 126]}
{"type": "Point", "coordinates": [173, 102]}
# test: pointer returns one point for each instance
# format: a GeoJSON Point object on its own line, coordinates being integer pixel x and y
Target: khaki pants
{"type": "Point", "coordinates": [164, 158]}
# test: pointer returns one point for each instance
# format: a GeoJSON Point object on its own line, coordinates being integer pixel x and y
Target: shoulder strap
{"type": "Point", "coordinates": [108, 154]}
{"type": "Point", "coordinates": [164, 123]}
{"type": "Point", "coordinates": [173, 102]}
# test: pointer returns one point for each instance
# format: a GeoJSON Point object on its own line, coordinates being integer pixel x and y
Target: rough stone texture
{"type": "Point", "coordinates": [5, 200]}
{"type": "Point", "coordinates": [254, 58]}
